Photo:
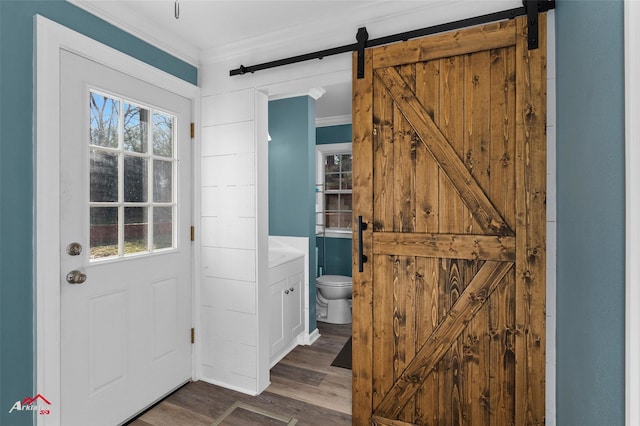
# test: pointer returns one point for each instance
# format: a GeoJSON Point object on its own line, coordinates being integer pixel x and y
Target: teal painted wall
{"type": "Point", "coordinates": [292, 177]}
{"type": "Point", "coordinates": [591, 228]}
{"type": "Point", "coordinates": [17, 363]}
{"type": "Point", "coordinates": [334, 134]}
{"type": "Point", "coordinates": [334, 254]}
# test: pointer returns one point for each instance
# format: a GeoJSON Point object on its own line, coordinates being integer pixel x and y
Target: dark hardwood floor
{"type": "Point", "coordinates": [305, 390]}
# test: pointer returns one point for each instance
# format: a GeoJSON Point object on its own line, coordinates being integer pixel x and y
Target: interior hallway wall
{"type": "Point", "coordinates": [292, 177]}
{"type": "Point", "coordinates": [591, 226]}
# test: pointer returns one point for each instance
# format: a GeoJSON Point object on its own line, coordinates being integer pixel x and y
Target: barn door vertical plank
{"type": "Point", "coordinates": [477, 141]}
{"type": "Point", "coordinates": [362, 358]}
{"type": "Point", "coordinates": [383, 160]}
{"type": "Point", "coordinates": [404, 323]}
{"type": "Point", "coordinates": [502, 192]}
{"type": "Point", "coordinates": [452, 209]}
{"type": "Point", "coordinates": [452, 213]}
{"type": "Point", "coordinates": [477, 149]}
{"type": "Point", "coordinates": [404, 178]}
{"type": "Point", "coordinates": [427, 306]}
{"type": "Point", "coordinates": [384, 341]}
{"type": "Point", "coordinates": [404, 188]}
{"type": "Point", "coordinates": [530, 224]}
{"type": "Point", "coordinates": [427, 278]}
{"type": "Point", "coordinates": [427, 172]}
{"type": "Point", "coordinates": [383, 220]}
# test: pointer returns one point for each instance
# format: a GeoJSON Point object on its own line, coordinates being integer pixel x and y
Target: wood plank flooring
{"type": "Point", "coordinates": [305, 390]}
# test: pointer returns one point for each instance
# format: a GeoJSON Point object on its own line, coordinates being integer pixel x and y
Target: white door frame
{"type": "Point", "coordinates": [632, 213]}
{"type": "Point", "coordinates": [51, 38]}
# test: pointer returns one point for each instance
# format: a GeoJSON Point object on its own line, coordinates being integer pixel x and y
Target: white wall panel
{"type": "Point", "coordinates": [226, 170]}
{"type": "Point", "coordinates": [225, 360]}
{"type": "Point", "coordinates": [229, 232]}
{"type": "Point", "coordinates": [237, 201]}
{"type": "Point", "coordinates": [230, 107]}
{"type": "Point", "coordinates": [233, 138]}
{"type": "Point", "coordinates": [234, 264]}
{"type": "Point", "coordinates": [230, 295]}
{"type": "Point", "coordinates": [229, 229]}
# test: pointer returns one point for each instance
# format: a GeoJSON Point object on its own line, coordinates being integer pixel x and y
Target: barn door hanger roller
{"type": "Point", "coordinates": [530, 8]}
{"type": "Point", "coordinates": [533, 8]}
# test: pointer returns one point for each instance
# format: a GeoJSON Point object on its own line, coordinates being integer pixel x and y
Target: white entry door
{"type": "Point", "coordinates": [125, 254]}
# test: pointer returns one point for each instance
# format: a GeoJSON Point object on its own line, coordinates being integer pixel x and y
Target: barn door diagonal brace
{"type": "Point", "coordinates": [530, 8]}
{"type": "Point", "coordinates": [533, 8]}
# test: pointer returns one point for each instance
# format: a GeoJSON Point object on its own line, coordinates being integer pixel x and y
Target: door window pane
{"type": "Point", "coordinates": [162, 176]}
{"type": "Point", "coordinates": [103, 176]}
{"type": "Point", "coordinates": [103, 232]}
{"type": "Point", "coordinates": [135, 179]}
{"type": "Point", "coordinates": [135, 230]}
{"type": "Point", "coordinates": [162, 227]}
{"type": "Point", "coordinates": [104, 118]}
{"type": "Point", "coordinates": [162, 135]}
{"type": "Point", "coordinates": [135, 128]}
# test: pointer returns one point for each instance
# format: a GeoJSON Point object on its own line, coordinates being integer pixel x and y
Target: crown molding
{"type": "Point", "coordinates": [333, 121]}
{"type": "Point", "coordinates": [315, 93]}
{"type": "Point", "coordinates": [148, 33]}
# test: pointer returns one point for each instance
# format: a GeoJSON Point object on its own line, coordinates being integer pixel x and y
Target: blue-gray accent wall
{"type": "Point", "coordinates": [590, 228]}
{"type": "Point", "coordinates": [334, 254]}
{"type": "Point", "coordinates": [292, 177]}
{"type": "Point", "coordinates": [17, 307]}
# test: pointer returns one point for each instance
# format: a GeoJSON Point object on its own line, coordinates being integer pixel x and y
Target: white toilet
{"type": "Point", "coordinates": [333, 299]}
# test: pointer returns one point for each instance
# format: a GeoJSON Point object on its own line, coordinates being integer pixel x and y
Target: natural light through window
{"type": "Point", "coordinates": [132, 178]}
{"type": "Point", "coordinates": [334, 188]}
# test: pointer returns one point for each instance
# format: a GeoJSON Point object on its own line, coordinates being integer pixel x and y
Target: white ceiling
{"type": "Point", "coordinates": [224, 28]}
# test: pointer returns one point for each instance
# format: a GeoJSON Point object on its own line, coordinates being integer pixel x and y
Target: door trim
{"type": "Point", "coordinates": [51, 38]}
{"type": "Point", "coordinates": [632, 156]}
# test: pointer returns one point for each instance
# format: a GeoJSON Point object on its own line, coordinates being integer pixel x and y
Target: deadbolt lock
{"type": "Point", "coordinates": [74, 249]}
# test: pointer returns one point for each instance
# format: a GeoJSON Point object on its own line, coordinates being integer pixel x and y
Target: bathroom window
{"type": "Point", "coordinates": [334, 213]}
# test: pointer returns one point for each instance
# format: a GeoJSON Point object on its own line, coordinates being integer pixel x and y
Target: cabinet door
{"type": "Point", "coordinates": [294, 322]}
{"type": "Point", "coordinates": [278, 336]}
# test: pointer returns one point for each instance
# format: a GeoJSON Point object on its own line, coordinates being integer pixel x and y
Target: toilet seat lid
{"type": "Point", "coordinates": [334, 280]}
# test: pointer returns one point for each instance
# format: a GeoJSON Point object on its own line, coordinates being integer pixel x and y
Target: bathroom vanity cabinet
{"type": "Point", "coordinates": [287, 308]}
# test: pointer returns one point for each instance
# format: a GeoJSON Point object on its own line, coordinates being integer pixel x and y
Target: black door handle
{"type": "Point", "coordinates": [362, 258]}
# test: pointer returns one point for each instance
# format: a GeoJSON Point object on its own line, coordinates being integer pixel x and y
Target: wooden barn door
{"type": "Point", "coordinates": [449, 175]}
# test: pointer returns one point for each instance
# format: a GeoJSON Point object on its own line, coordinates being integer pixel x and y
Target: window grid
{"type": "Point", "coordinates": [147, 154]}
{"type": "Point", "coordinates": [337, 191]}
